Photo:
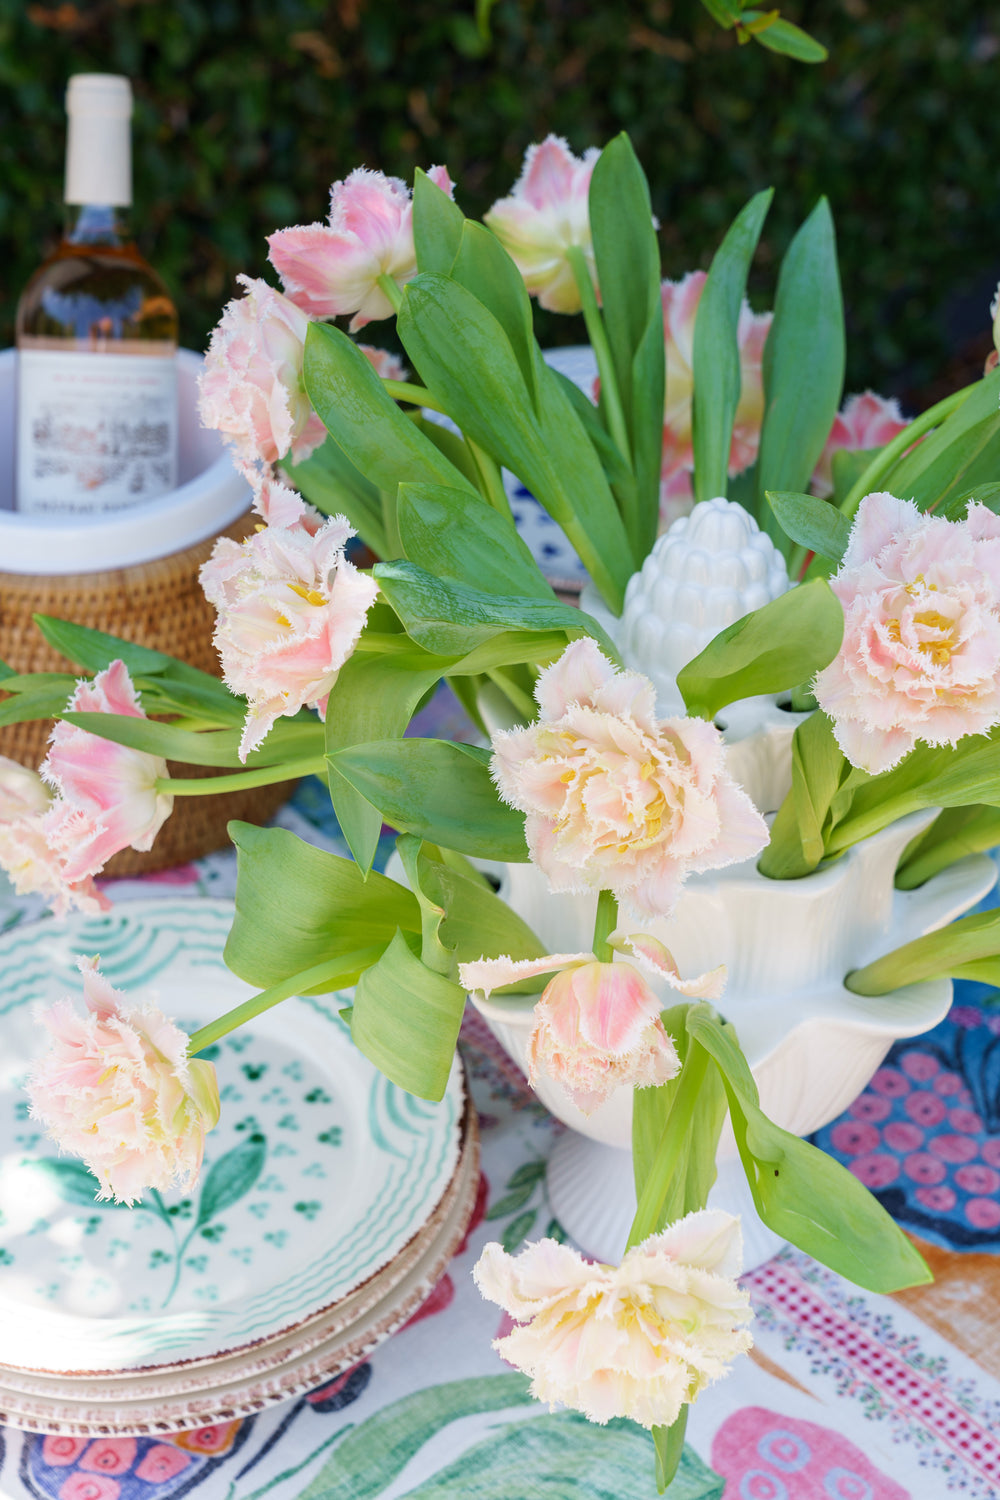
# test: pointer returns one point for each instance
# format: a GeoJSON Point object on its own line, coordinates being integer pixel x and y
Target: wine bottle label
{"type": "Point", "coordinates": [95, 432]}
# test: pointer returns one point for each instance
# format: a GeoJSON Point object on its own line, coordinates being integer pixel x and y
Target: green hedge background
{"type": "Point", "coordinates": [248, 109]}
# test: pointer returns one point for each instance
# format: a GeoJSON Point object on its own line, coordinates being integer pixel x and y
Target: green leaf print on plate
{"type": "Point", "coordinates": [311, 1139]}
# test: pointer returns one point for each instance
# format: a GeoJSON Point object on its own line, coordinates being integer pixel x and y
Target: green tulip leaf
{"type": "Point", "coordinates": [945, 953]}
{"type": "Point", "coordinates": [298, 907]}
{"type": "Point", "coordinates": [405, 1019]}
{"type": "Point", "coordinates": [801, 1193]}
{"type": "Point", "coordinates": [379, 440]}
{"type": "Point", "coordinates": [812, 523]}
{"type": "Point", "coordinates": [437, 225]}
{"type": "Point", "coordinates": [438, 790]}
{"type": "Point", "coordinates": [716, 366]}
{"type": "Point", "coordinates": [803, 363]}
{"type": "Point", "coordinates": [770, 650]}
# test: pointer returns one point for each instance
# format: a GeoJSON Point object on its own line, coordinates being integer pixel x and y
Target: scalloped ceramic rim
{"type": "Point", "coordinates": [399, 1157]}
{"type": "Point", "coordinates": [250, 1390]}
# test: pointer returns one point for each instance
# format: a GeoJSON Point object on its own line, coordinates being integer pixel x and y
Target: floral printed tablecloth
{"type": "Point", "coordinates": [846, 1396]}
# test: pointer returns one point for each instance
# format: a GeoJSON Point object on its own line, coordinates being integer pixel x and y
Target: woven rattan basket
{"type": "Point", "coordinates": [157, 603]}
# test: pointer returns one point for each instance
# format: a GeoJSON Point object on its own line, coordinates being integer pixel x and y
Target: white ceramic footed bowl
{"type": "Point", "coordinates": [812, 1044]}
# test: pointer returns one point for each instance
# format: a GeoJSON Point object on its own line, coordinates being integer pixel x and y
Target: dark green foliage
{"type": "Point", "coordinates": [248, 109]}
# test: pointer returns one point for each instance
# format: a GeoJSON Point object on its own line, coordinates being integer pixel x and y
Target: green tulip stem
{"type": "Point", "coordinates": [605, 923]}
{"type": "Point", "coordinates": [416, 395]}
{"type": "Point", "coordinates": [885, 459]}
{"type": "Point", "coordinates": [516, 697]}
{"type": "Point", "coordinates": [610, 395]}
{"type": "Point", "coordinates": [343, 968]}
{"type": "Point", "coordinates": [673, 1142]}
{"type": "Point", "coordinates": [392, 291]}
{"type": "Point", "coordinates": [242, 781]}
{"type": "Point", "coordinates": [490, 480]}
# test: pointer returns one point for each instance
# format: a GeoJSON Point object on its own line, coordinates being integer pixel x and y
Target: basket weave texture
{"type": "Point", "coordinates": [158, 604]}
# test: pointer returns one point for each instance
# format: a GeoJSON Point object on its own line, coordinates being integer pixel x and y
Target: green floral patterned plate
{"type": "Point", "coordinates": [318, 1175]}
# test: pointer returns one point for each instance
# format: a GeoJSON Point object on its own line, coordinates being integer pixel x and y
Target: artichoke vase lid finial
{"type": "Point", "coordinates": [709, 569]}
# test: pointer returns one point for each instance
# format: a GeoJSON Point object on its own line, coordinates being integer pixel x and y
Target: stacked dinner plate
{"type": "Point", "coordinates": [328, 1207]}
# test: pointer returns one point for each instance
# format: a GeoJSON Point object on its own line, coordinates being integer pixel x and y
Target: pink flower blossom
{"type": "Point", "coordinates": [333, 269]}
{"type": "Point", "coordinates": [290, 611]}
{"type": "Point", "coordinates": [251, 387]}
{"type": "Point", "coordinates": [616, 799]}
{"type": "Point", "coordinates": [548, 212]}
{"type": "Point", "coordinates": [24, 852]}
{"type": "Point", "coordinates": [282, 507]}
{"type": "Point", "coordinates": [920, 659]}
{"type": "Point", "coordinates": [638, 1340]}
{"type": "Point", "coordinates": [867, 421]}
{"type": "Point", "coordinates": [597, 1025]}
{"type": "Point", "coordinates": [993, 357]}
{"type": "Point", "coordinates": [118, 1089]}
{"type": "Point", "coordinates": [386, 366]}
{"type": "Point", "coordinates": [106, 797]}
{"type": "Point", "coordinates": [680, 308]}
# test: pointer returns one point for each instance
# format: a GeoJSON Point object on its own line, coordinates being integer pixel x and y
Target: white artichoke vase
{"type": "Point", "coordinates": [812, 1044]}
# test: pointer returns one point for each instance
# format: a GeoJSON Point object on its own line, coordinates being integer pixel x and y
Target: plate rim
{"type": "Point", "coordinates": [226, 907]}
{"type": "Point", "coordinates": [300, 1373]}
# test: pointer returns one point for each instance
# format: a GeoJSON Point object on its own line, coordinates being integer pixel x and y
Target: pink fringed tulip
{"type": "Point", "coordinates": [638, 1340]}
{"type": "Point", "coordinates": [331, 270]}
{"type": "Point", "coordinates": [616, 799]}
{"type": "Point", "coordinates": [867, 421]}
{"type": "Point", "coordinates": [290, 611]}
{"type": "Point", "coordinates": [920, 659]}
{"type": "Point", "coordinates": [597, 1025]}
{"type": "Point", "coordinates": [992, 358]}
{"type": "Point", "coordinates": [281, 507]}
{"type": "Point", "coordinates": [24, 852]}
{"type": "Point", "coordinates": [546, 214]}
{"type": "Point", "coordinates": [118, 1089]}
{"type": "Point", "coordinates": [680, 308]}
{"type": "Point", "coordinates": [106, 797]}
{"type": "Point", "coordinates": [386, 366]}
{"type": "Point", "coordinates": [251, 387]}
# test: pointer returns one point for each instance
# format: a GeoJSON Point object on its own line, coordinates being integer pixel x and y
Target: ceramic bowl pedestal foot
{"type": "Point", "coordinates": [592, 1195]}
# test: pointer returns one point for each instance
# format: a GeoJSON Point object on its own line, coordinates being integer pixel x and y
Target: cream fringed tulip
{"type": "Point", "coordinates": [920, 659]}
{"type": "Point", "coordinates": [118, 1089]}
{"type": "Point", "coordinates": [637, 1340]}
{"type": "Point", "coordinates": [597, 1025]}
{"type": "Point", "coordinates": [546, 214]}
{"type": "Point", "coordinates": [333, 269]}
{"type": "Point", "coordinates": [615, 798]}
{"type": "Point", "coordinates": [290, 611]}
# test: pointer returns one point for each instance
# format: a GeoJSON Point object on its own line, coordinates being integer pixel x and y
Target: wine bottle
{"type": "Point", "coordinates": [96, 335]}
